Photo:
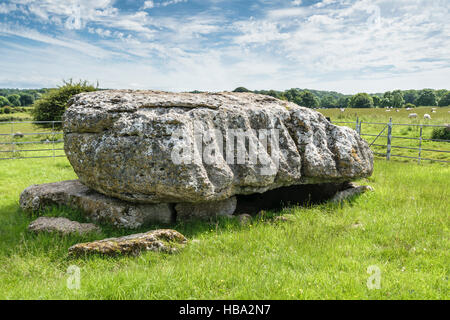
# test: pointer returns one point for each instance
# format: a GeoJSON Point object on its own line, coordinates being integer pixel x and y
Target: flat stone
{"type": "Point", "coordinates": [96, 206]}
{"type": "Point", "coordinates": [244, 219]}
{"type": "Point", "coordinates": [349, 193]}
{"type": "Point", "coordinates": [61, 225]}
{"type": "Point", "coordinates": [122, 143]}
{"type": "Point", "coordinates": [206, 210]}
{"type": "Point", "coordinates": [163, 240]}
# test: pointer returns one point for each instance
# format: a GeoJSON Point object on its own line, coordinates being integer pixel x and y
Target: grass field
{"type": "Point", "coordinates": [402, 228]}
{"type": "Point", "coordinates": [441, 117]}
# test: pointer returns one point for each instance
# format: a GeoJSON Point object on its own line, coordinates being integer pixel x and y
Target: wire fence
{"type": "Point", "coordinates": [387, 132]}
{"type": "Point", "coordinates": [44, 139]}
{"type": "Point", "coordinates": [31, 139]}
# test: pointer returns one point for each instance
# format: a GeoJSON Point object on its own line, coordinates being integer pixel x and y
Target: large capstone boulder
{"type": "Point", "coordinates": [160, 147]}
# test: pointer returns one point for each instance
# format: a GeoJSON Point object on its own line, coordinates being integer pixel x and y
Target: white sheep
{"type": "Point", "coordinates": [408, 109]}
{"type": "Point", "coordinates": [397, 110]}
{"type": "Point", "coordinates": [433, 111]}
{"type": "Point", "coordinates": [427, 116]}
{"type": "Point", "coordinates": [412, 115]}
{"type": "Point", "coordinates": [342, 109]}
{"type": "Point", "coordinates": [387, 110]}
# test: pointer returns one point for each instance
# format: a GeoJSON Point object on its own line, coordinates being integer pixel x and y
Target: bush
{"type": "Point", "coordinates": [441, 133]}
{"type": "Point", "coordinates": [409, 105]}
{"type": "Point", "coordinates": [52, 105]}
{"type": "Point", "coordinates": [7, 110]}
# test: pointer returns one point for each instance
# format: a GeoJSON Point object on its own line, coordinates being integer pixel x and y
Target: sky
{"type": "Point", "coordinates": [347, 46]}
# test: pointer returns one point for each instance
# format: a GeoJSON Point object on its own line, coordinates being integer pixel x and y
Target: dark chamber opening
{"type": "Point", "coordinates": [286, 196]}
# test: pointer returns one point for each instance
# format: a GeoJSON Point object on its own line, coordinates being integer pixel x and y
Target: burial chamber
{"type": "Point", "coordinates": [208, 154]}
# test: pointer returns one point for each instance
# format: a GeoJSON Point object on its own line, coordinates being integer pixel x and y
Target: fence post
{"type": "Point", "coordinates": [389, 140]}
{"type": "Point", "coordinates": [360, 127]}
{"type": "Point", "coordinates": [53, 139]}
{"type": "Point", "coordinates": [357, 125]}
{"type": "Point", "coordinates": [420, 144]}
{"type": "Point", "coordinates": [12, 140]}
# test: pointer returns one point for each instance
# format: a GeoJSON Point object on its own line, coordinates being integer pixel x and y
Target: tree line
{"type": "Point", "coordinates": [331, 99]}
{"type": "Point", "coordinates": [19, 97]}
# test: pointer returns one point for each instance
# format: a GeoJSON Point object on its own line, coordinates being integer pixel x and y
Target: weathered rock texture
{"type": "Point", "coordinates": [205, 210]}
{"type": "Point", "coordinates": [120, 143]}
{"type": "Point", "coordinates": [164, 240]}
{"type": "Point", "coordinates": [350, 193]}
{"type": "Point", "coordinates": [61, 225]}
{"type": "Point", "coordinates": [96, 206]}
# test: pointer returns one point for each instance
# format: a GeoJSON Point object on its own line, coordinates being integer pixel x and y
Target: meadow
{"type": "Point", "coordinates": [401, 133]}
{"type": "Point", "coordinates": [324, 252]}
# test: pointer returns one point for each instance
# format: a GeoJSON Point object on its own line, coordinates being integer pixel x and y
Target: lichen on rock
{"type": "Point", "coordinates": [162, 240]}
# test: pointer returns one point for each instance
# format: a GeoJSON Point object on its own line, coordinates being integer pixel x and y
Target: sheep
{"type": "Point", "coordinates": [412, 115]}
{"type": "Point", "coordinates": [433, 111]}
{"type": "Point", "coordinates": [408, 109]}
{"type": "Point", "coordinates": [427, 116]}
{"type": "Point", "coordinates": [342, 109]}
{"type": "Point", "coordinates": [397, 110]}
{"type": "Point", "coordinates": [388, 110]}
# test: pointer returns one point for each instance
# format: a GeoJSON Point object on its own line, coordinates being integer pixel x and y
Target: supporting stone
{"type": "Point", "coordinates": [96, 206]}
{"type": "Point", "coordinates": [205, 210]}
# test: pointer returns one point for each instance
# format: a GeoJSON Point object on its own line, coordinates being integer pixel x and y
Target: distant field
{"type": "Point", "coordinates": [35, 137]}
{"type": "Point", "coordinates": [442, 116]}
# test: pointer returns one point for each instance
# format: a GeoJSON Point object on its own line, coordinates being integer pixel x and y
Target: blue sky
{"type": "Point", "coordinates": [177, 45]}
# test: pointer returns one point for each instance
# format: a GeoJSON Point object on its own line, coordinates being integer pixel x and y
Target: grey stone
{"type": "Point", "coordinates": [205, 210]}
{"type": "Point", "coordinates": [61, 225]}
{"type": "Point", "coordinates": [349, 193]}
{"type": "Point", "coordinates": [163, 240]}
{"type": "Point", "coordinates": [284, 218]}
{"type": "Point", "coordinates": [96, 206]}
{"type": "Point", "coordinates": [244, 218]}
{"type": "Point", "coordinates": [120, 143]}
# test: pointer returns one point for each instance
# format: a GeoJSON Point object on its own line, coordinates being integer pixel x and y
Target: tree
{"type": "Point", "coordinates": [3, 101]}
{"type": "Point", "coordinates": [53, 103]}
{"type": "Point", "coordinates": [328, 102]}
{"type": "Point", "coordinates": [426, 98]}
{"type": "Point", "coordinates": [376, 101]}
{"type": "Point", "coordinates": [26, 99]}
{"type": "Point", "coordinates": [361, 100]}
{"type": "Point", "coordinates": [397, 99]}
{"type": "Point", "coordinates": [410, 96]}
{"type": "Point", "coordinates": [343, 102]}
{"type": "Point", "coordinates": [14, 100]}
{"type": "Point", "coordinates": [241, 89]}
{"type": "Point", "coordinates": [445, 100]}
{"type": "Point", "coordinates": [307, 99]}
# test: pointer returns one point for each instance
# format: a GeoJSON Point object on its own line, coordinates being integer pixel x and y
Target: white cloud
{"type": "Point", "coordinates": [340, 45]}
{"type": "Point", "coordinates": [148, 5]}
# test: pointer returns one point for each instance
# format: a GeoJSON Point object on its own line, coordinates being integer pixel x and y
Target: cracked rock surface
{"type": "Point", "coordinates": [120, 143]}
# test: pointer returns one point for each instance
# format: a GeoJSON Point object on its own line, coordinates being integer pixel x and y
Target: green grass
{"type": "Point", "coordinates": [403, 229]}
{"type": "Point", "coordinates": [31, 133]}
{"type": "Point", "coordinates": [441, 117]}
